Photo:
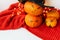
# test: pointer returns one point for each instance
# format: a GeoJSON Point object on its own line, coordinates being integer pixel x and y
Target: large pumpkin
{"type": "Point", "coordinates": [32, 8]}
{"type": "Point", "coordinates": [33, 21]}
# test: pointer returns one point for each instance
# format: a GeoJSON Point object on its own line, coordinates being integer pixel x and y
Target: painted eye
{"type": "Point", "coordinates": [38, 7]}
{"type": "Point", "coordinates": [31, 21]}
{"type": "Point", "coordinates": [33, 6]}
{"type": "Point", "coordinates": [51, 20]}
{"type": "Point", "coordinates": [36, 21]}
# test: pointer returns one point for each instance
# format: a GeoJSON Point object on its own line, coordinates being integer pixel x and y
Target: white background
{"type": "Point", "coordinates": [20, 34]}
{"type": "Point", "coordinates": [55, 3]}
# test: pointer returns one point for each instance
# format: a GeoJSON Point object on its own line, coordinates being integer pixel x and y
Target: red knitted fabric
{"type": "Point", "coordinates": [10, 20]}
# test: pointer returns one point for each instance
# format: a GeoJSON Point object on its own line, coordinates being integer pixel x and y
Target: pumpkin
{"type": "Point", "coordinates": [33, 21]}
{"type": "Point", "coordinates": [51, 22]}
{"type": "Point", "coordinates": [33, 8]}
{"type": "Point", "coordinates": [53, 13]}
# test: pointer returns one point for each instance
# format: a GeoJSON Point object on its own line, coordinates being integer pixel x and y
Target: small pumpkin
{"type": "Point", "coordinates": [33, 21]}
{"type": "Point", "coordinates": [53, 13]}
{"type": "Point", "coordinates": [51, 22]}
{"type": "Point", "coordinates": [33, 8]}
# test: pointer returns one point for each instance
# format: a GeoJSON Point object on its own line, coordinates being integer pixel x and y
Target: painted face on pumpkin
{"type": "Point", "coordinates": [33, 21]}
{"type": "Point", "coordinates": [33, 8]}
{"type": "Point", "coordinates": [51, 22]}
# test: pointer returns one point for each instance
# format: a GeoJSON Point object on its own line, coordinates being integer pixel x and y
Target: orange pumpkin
{"type": "Point", "coordinates": [53, 13]}
{"type": "Point", "coordinates": [33, 8]}
{"type": "Point", "coordinates": [33, 21]}
{"type": "Point", "coordinates": [51, 22]}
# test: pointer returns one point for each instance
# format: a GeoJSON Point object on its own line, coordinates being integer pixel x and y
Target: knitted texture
{"type": "Point", "coordinates": [10, 20]}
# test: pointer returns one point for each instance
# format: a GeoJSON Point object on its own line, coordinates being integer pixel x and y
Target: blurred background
{"type": "Point", "coordinates": [54, 3]}
{"type": "Point", "coordinates": [4, 4]}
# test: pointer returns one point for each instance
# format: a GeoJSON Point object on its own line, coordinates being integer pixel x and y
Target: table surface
{"type": "Point", "coordinates": [19, 34]}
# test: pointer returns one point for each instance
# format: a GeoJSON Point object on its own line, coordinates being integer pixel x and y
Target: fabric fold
{"type": "Point", "coordinates": [10, 19]}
